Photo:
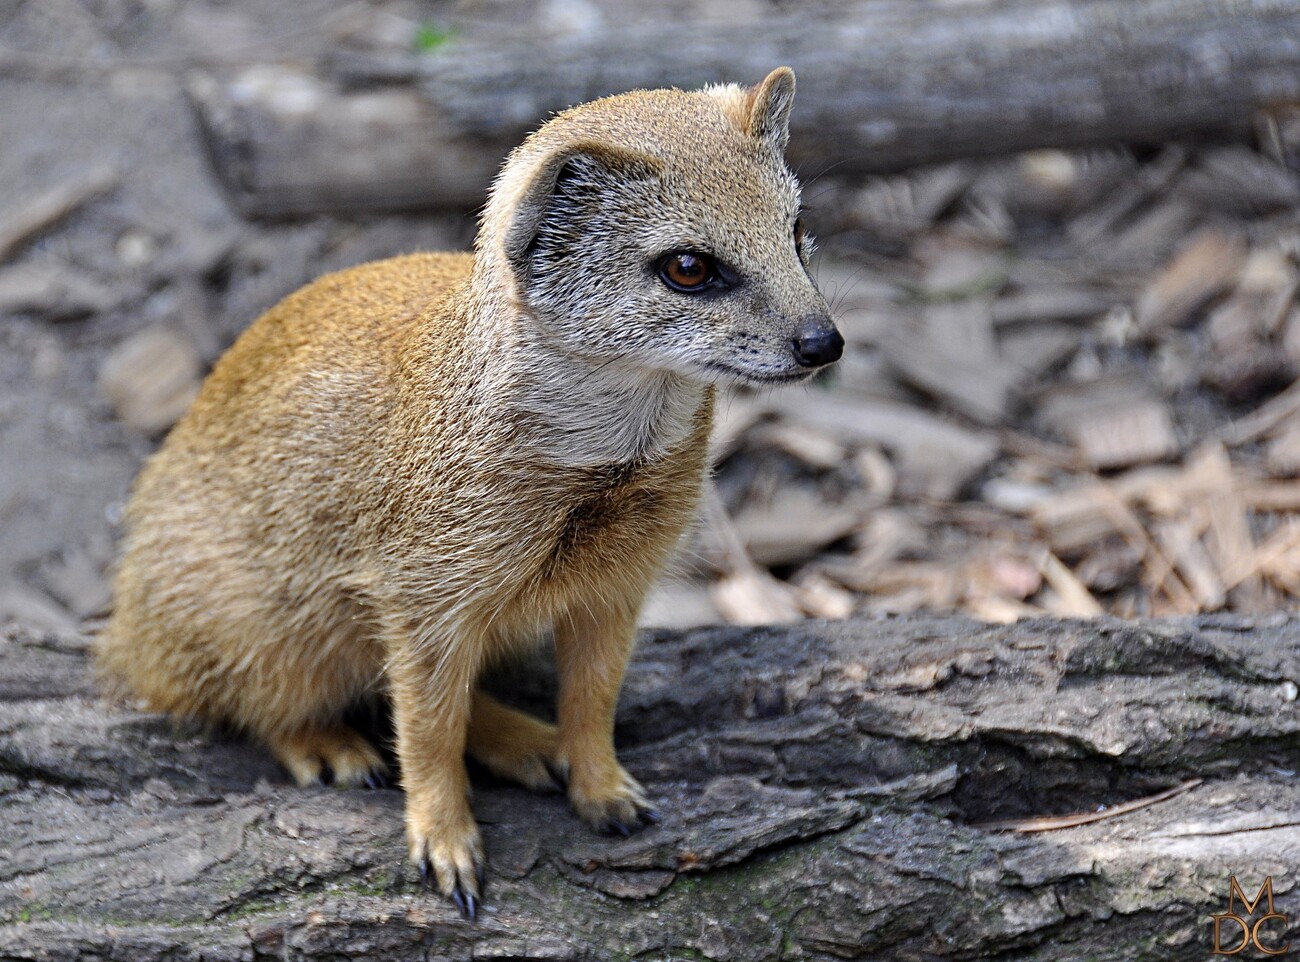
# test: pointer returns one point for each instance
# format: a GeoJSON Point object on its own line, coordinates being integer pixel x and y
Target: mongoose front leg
{"type": "Point", "coordinates": [431, 712]}
{"type": "Point", "coordinates": [592, 646]}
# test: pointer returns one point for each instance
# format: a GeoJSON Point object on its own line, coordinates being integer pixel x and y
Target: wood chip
{"type": "Point", "coordinates": [960, 271]}
{"type": "Point", "coordinates": [45, 210]}
{"type": "Point", "coordinates": [1054, 173]}
{"type": "Point", "coordinates": [950, 354]}
{"type": "Point", "coordinates": [1080, 516]}
{"type": "Point", "coordinates": [1109, 565]}
{"type": "Point", "coordinates": [998, 610]}
{"type": "Point", "coordinates": [677, 605]}
{"type": "Point", "coordinates": [820, 597]}
{"type": "Point", "coordinates": [816, 449]}
{"type": "Point", "coordinates": [1129, 193]}
{"type": "Point", "coordinates": [1005, 576]}
{"type": "Point", "coordinates": [1113, 423]}
{"type": "Point", "coordinates": [1036, 351]}
{"type": "Point", "coordinates": [1015, 496]}
{"type": "Point", "coordinates": [1052, 303]}
{"type": "Point", "coordinates": [1180, 544]}
{"type": "Point", "coordinates": [746, 594]}
{"type": "Point", "coordinates": [1239, 180]}
{"type": "Point", "coordinates": [887, 535]}
{"type": "Point", "coordinates": [1072, 599]}
{"type": "Point", "coordinates": [902, 206]}
{"type": "Point", "coordinates": [1283, 453]}
{"type": "Point", "coordinates": [1204, 268]}
{"type": "Point", "coordinates": [1133, 434]}
{"type": "Point", "coordinates": [1270, 415]}
{"type": "Point", "coordinates": [754, 597]}
{"type": "Point", "coordinates": [1227, 538]}
{"type": "Point", "coordinates": [1074, 518]}
{"type": "Point", "coordinates": [793, 527]}
{"type": "Point", "coordinates": [1275, 496]}
{"type": "Point", "coordinates": [151, 378]}
{"type": "Point", "coordinates": [934, 458]}
{"type": "Point", "coordinates": [912, 586]}
{"type": "Point", "coordinates": [1277, 545]}
{"type": "Point", "coordinates": [1244, 362]}
{"type": "Point", "coordinates": [1149, 239]}
{"type": "Point", "coordinates": [54, 293]}
{"type": "Point", "coordinates": [877, 478]}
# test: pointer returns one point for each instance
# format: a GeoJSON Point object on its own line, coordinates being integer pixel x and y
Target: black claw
{"type": "Point", "coordinates": [650, 816]}
{"type": "Point", "coordinates": [480, 873]}
{"type": "Point", "coordinates": [465, 903]}
{"type": "Point", "coordinates": [426, 873]}
{"type": "Point", "coordinates": [376, 780]}
{"type": "Point", "coordinates": [614, 826]}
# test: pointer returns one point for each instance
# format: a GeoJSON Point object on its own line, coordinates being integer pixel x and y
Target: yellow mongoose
{"type": "Point", "coordinates": [405, 470]}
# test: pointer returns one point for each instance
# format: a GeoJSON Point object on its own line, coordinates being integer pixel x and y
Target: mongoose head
{"type": "Point", "coordinates": [662, 228]}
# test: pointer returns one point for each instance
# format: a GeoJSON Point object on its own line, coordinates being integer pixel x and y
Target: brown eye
{"type": "Point", "coordinates": [687, 271]}
{"type": "Point", "coordinates": [798, 232]}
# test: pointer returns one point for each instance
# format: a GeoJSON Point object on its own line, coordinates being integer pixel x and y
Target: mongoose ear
{"type": "Point", "coordinates": [583, 166]}
{"type": "Point", "coordinates": [770, 105]}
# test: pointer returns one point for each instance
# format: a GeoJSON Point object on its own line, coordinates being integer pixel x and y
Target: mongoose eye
{"type": "Point", "coordinates": [798, 232]}
{"type": "Point", "coordinates": [687, 271]}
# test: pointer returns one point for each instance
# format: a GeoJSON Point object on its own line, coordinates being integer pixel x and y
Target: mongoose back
{"type": "Point", "coordinates": [408, 469]}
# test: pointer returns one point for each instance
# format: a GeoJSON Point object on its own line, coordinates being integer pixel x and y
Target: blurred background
{"type": "Point", "coordinates": [1061, 238]}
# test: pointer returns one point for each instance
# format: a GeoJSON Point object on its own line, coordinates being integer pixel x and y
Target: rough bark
{"type": "Point", "coordinates": [829, 789]}
{"type": "Point", "coordinates": [883, 87]}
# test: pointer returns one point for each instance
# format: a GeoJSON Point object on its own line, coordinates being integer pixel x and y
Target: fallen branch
{"type": "Point", "coordinates": [882, 87]}
{"type": "Point", "coordinates": [827, 787]}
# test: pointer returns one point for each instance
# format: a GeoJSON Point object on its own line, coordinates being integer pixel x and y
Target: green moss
{"type": "Point", "coordinates": [430, 37]}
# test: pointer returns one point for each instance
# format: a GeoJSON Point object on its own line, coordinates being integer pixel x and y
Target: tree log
{"type": "Point", "coordinates": [831, 790]}
{"type": "Point", "coordinates": [882, 87]}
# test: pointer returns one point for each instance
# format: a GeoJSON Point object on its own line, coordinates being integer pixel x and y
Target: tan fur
{"type": "Point", "coordinates": [408, 469]}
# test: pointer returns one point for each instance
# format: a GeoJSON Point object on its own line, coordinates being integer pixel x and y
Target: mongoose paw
{"type": "Point", "coordinates": [513, 746]}
{"type": "Point", "coordinates": [644, 817]}
{"type": "Point", "coordinates": [457, 871]}
{"type": "Point", "coordinates": [534, 772]}
{"type": "Point", "coordinates": [331, 756]}
{"type": "Point", "coordinates": [377, 779]}
{"type": "Point", "coordinates": [620, 809]}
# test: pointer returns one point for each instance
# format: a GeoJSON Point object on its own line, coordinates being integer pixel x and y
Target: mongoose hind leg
{"type": "Point", "coordinates": [512, 745]}
{"type": "Point", "coordinates": [332, 754]}
{"type": "Point", "coordinates": [592, 646]}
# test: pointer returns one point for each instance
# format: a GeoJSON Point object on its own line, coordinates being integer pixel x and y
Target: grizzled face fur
{"type": "Point", "coordinates": [663, 229]}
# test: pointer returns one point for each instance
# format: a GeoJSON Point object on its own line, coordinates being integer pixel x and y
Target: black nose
{"type": "Point", "coordinates": [818, 342]}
